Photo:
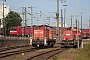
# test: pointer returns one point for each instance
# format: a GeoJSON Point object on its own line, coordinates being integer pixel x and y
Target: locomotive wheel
{"type": "Point", "coordinates": [51, 44]}
{"type": "Point", "coordinates": [62, 46]}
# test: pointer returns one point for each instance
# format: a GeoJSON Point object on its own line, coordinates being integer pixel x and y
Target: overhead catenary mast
{"type": "Point", "coordinates": [77, 23]}
{"type": "Point", "coordinates": [31, 20]}
{"type": "Point", "coordinates": [89, 29]}
{"type": "Point", "coordinates": [57, 20]}
{"type": "Point", "coordinates": [61, 36]}
{"type": "Point", "coordinates": [65, 14]}
{"type": "Point", "coordinates": [4, 23]}
{"type": "Point", "coordinates": [24, 19]}
{"type": "Point", "coordinates": [24, 16]}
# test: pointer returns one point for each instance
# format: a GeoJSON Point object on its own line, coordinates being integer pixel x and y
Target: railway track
{"type": "Point", "coordinates": [10, 48]}
{"type": "Point", "coordinates": [37, 53]}
{"type": "Point", "coordinates": [47, 55]}
{"type": "Point", "coordinates": [16, 50]}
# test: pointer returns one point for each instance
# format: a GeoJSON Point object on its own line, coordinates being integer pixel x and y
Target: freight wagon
{"type": "Point", "coordinates": [21, 31]}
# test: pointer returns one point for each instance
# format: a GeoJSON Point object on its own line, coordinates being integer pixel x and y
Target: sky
{"type": "Point", "coordinates": [48, 9]}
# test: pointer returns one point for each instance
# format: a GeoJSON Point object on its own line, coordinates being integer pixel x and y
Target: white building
{"type": "Point", "coordinates": [55, 24]}
{"type": "Point", "coordinates": [6, 11]}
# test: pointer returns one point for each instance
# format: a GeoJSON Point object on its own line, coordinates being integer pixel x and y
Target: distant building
{"type": "Point", "coordinates": [6, 11]}
{"type": "Point", "coordinates": [55, 24]}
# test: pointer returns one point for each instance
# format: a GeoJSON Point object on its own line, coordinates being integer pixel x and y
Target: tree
{"type": "Point", "coordinates": [12, 19]}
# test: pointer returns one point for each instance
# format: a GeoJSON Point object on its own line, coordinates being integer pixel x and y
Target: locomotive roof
{"type": "Point", "coordinates": [85, 29]}
{"type": "Point", "coordinates": [13, 28]}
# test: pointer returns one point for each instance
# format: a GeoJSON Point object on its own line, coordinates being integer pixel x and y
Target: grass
{"type": "Point", "coordinates": [54, 58]}
{"type": "Point", "coordinates": [75, 54]}
{"type": "Point", "coordinates": [83, 54]}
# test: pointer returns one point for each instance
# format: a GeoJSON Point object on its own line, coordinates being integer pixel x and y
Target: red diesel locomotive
{"type": "Point", "coordinates": [21, 31]}
{"type": "Point", "coordinates": [71, 37]}
{"type": "Point", "coordinates": [43, 37]}
{"type": "Point", "coordinates": [85, 33]}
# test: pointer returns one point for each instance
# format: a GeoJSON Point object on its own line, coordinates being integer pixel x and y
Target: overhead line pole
{"type": "Point", "coordinates": [61, 35]}
{"type": "Point", "coordinates": [81, 24]}
{"type": "Point", "coordinates": [71, 20]}
{"type": "Point", "coordinates": [64, 14]}
{"type": "Point", "coordinates": [25, 17]}
{"type": "Point", "coordinates": [24, 20]}
{"type": "Point", "coordinates": [24, 8]}
{"type": "Point", "coordinates": [22, 16]}
{"type": "Point", "coordinates": [4, 23]}
{"type": "Point", "coordinates": [57, 21]}
{"type": "Point", "coordinates": [89, 29]}
{"type": "Point", "coordinates": [31, 20]}
{"type": "Point", "coordinates": [77, 22]}
{"type": "Point", "coordinates": [3, 17]}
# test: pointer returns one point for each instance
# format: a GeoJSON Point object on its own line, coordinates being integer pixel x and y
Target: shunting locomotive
{"type": "Point", "coordinates": [43, 37]}
{"type": "Point", "coordinates": [71, 37]}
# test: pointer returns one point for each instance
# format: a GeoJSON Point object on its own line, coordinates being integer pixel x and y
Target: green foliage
{"type": "Point", "coordinates": [83, 54]}
{"type": "Point", "coordinates": [55, 58]}
{"type": "Point", "coordinates": [12, 19]}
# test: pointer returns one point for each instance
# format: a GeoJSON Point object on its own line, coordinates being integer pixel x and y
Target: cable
{"type": "Point", "coordinates": [78, 7]}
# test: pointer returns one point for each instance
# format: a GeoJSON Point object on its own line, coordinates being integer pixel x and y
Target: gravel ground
{"type": "Point", "coordinates": [66, 55]}
{"type": "Point", "coordinates": [24, 56]}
